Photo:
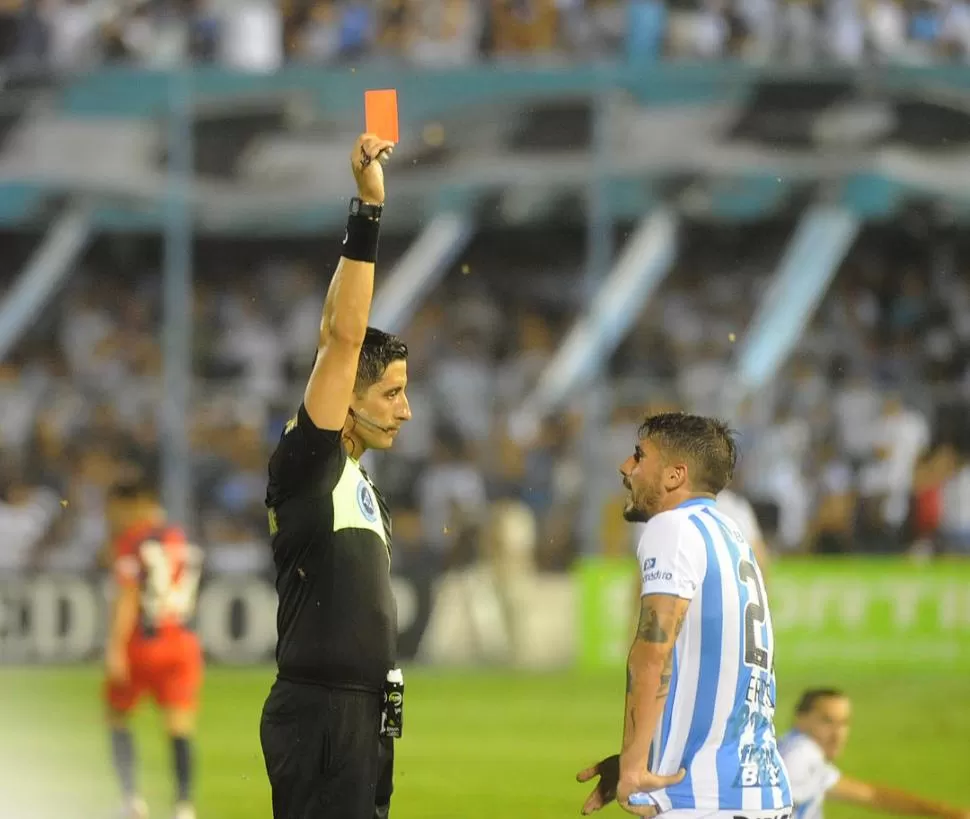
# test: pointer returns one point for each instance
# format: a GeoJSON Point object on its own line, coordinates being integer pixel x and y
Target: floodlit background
{"type": "Point", "coordinates": [597, 209]}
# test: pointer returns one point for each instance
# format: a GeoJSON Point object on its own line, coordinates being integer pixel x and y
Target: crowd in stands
{"type": "Point", "coordinates": [858, 445]}
{"type": "Point", "coordinates": [261, 35]}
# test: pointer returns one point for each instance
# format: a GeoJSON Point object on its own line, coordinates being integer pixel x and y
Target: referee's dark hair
{"type": "Point", "coordinates": [808, 699]}
{"type": "Point", "coordinates": [378, 350]}
{"type": "Point", "coordinates": [706, 444]}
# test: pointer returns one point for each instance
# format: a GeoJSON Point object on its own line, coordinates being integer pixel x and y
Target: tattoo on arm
{"type": "Point", "coordinates": [665, 677]}
{"type": "Point", "coordinates": [649, 629]}
{"type": "Point", "coordinates": [629, 679]}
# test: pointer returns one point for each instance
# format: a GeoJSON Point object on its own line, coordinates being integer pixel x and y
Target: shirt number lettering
{"type": "Point", "coordinates": [172, 576]}
{"type": "Point", "coordinates": [754, 617]}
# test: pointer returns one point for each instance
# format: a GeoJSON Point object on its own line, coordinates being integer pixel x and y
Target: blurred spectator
{"type": "Point", "coordinates": [233, 506]}
{"type": "Point", "coordinates": [886, 29]}
{"type": "Point", "coordinates": [560, 523]}
{"type": "Point", "coordinates": [255, 35]}
{"type": "Point", "coordinates": [20, 394]}
{"type": "Point", "coordinates": [252, 36]}
{"type": "Point", "coordinates": [445, 32]}
{"type": "Point", "coordinates": [527, 358]}
{"type": "Point", "coordinates": [835, 452]}
{"type": "Point", "coordinates": [318, 40]}
{"type": "Point", "coordinates": [832, 528]}
{"type": "Point", "coordinates": [27, 515]}
{"type": "Point", "coordinates": [452, 501]}
{"type": "Point", "coordinates": [464, 384]}
{"type": "Point", "coordinates": [846, 26]}
{"type": "Point", "coordinates": [932, 474]}
{"type": "Point", "coordinates": [645, 26]}
{"type": "Point", "coordinates": [802, 38]}
{"type": "Point", "coordinates": [901, 436]}
{"type": "Point", "coordinates": [762, 23]}
{"type": "Point", "coordinates": [73, 29]}
{"type": "Point", "coordinates": [251, 347]}
{"type": "Point", "coordinates": [524, 27]}
{"type": "Point", "coordinates": [954, 525]}
{"type": "Point", "coordinates": [955, 30]}
{"type": "Point", "coordinates": [924, 22]}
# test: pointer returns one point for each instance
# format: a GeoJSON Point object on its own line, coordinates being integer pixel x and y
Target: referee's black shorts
{"type": "Point", "coordinates": [324, 754]}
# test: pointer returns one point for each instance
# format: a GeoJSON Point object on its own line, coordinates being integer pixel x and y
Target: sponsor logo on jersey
{"type": "Point", "coordinates": [366, 501]}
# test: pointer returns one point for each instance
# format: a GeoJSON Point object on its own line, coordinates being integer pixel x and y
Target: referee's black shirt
{"type": "Point", "coordinates": [337, 619]}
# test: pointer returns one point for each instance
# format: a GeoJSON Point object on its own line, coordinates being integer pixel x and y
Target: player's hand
{"type": "Point", "coordinates": [645, 782]}
{"type": "Point", "coordinates": [116, 665]}
{"type": "Point", "coordinates": [605, 791]}
{"type": "Point", "coordinates": [367, 162]}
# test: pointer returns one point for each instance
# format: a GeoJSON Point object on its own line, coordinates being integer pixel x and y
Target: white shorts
{"type": "Point", "coordinates": [780, 813]}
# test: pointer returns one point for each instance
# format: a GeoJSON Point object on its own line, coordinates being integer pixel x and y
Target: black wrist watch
{"type": "Point", "coordinates": [359, 208]}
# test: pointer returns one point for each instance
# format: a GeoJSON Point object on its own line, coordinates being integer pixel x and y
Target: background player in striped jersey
{"type": "Point", "coordinates": [151, 647]}
{"type": "Point", "coordinates": [821, 729]}
{"type": "Point", "coordinates": [698, 737]}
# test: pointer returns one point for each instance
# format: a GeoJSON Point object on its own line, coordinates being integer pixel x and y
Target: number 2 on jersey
{"type": "Point", "coordinates": [172, 580]}
{"type": "Point", "coordinates": [754, 617]}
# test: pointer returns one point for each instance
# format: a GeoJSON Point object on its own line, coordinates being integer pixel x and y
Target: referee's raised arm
{"type": "Point", "coordinates": [345, 312]}
{"type": "Point", "coordinates": [328, 726]}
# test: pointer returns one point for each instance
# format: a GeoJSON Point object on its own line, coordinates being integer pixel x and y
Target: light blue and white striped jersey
{"type": "Point", "coordinates": [811, 774]}
{"type": "Point", "coordinates": [718, 721]}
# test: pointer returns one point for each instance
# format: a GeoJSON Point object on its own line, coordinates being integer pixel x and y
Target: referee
{"type": "Point", "coordinates": [325, 752]}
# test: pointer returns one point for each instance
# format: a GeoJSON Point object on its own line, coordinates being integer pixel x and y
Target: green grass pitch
{"type": "Point", "coordinates": [476, 745]}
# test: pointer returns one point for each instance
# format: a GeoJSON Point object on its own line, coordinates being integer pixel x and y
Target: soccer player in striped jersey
{"type": "Point", "coordinates": [821, 729]}
{"type": "Point", "coordinates": [698, 736]}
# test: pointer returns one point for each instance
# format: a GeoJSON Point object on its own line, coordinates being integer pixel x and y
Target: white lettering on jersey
{"type": "Point", "coordinates": [172, 575]}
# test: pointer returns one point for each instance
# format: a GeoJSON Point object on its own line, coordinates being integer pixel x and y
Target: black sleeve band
{"type": "Point", "coordinates": [363, 233]}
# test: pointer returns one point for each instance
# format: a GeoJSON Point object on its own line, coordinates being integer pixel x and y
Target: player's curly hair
{"type": "Point", "coordinates": [378, 351]}
{"type": "Point", "coordinates": [707, 445]}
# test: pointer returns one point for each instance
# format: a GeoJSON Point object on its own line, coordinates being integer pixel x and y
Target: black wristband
{"type": "Point", "coordinates": [363, 232]}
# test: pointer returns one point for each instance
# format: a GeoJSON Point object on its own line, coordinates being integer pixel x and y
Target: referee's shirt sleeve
{"type": "Point", "coordinates": [671, 557]}
{"type": "Point", "coordinates": [305, 458]}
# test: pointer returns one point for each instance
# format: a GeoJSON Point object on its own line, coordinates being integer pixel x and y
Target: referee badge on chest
{"type": "Point", "coordinates": [366, 501]}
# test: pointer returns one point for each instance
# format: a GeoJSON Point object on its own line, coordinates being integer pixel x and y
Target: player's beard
{"type": "Point", "coordinates": [639, 505]}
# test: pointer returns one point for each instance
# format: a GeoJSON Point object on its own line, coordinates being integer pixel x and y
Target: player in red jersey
{"type": "Point", "coordinates": [151, 647]}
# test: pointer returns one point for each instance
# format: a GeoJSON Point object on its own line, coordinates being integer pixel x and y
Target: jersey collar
{"type": "Point", "coordinates": [696, 502]}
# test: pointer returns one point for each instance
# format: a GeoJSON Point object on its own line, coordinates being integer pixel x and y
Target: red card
{"type": "Point", "coordinates": [380, 110]}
